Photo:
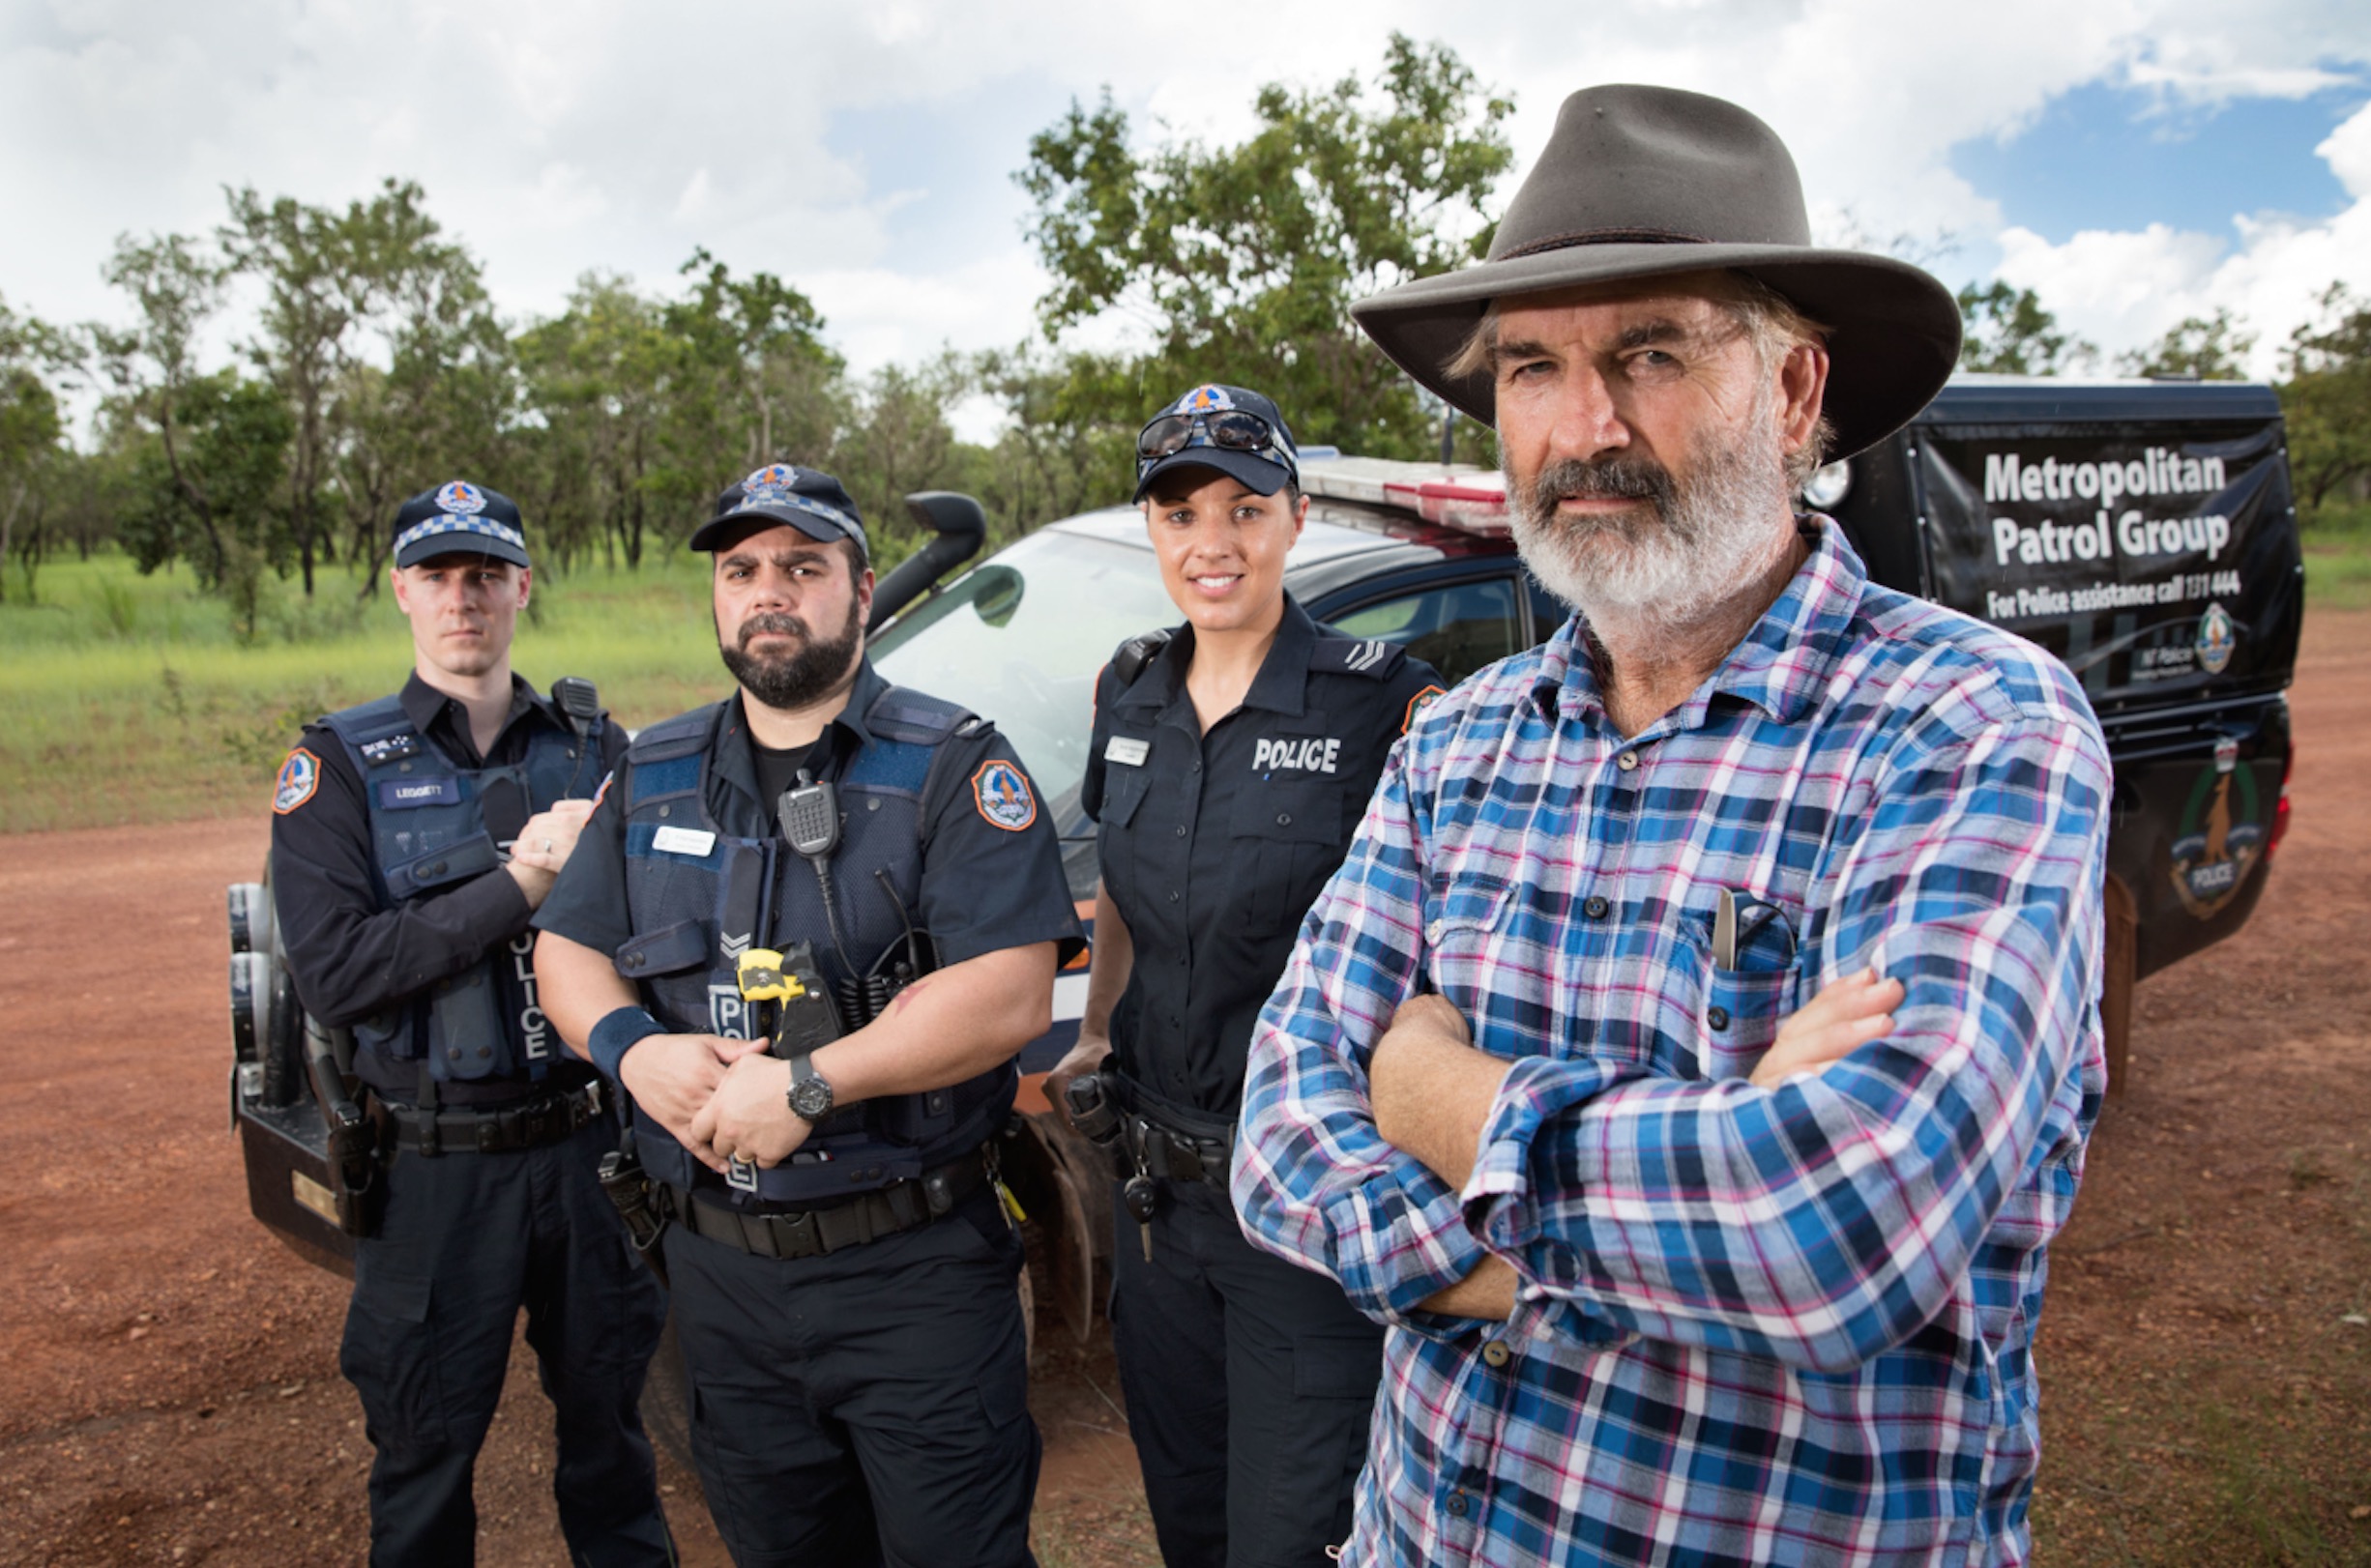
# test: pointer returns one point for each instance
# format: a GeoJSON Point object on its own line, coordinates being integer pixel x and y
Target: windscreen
{"type": "Point", "coordinates": [1019, 639]}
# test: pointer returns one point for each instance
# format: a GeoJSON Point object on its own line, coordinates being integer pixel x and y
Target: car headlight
{"type": "Point", "coordinates": [1828, 485]}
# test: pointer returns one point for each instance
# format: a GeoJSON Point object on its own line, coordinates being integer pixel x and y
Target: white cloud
{"type": "Point", "coordinates": [2122, 290]}
{"type": "Point", "coordinates": [557, 136]}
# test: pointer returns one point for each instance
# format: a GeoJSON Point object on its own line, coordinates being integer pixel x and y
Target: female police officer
{"type": "Point", "coordinates": [1231, 761]}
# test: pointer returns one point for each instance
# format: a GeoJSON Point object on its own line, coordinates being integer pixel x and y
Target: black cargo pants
{"type": "Point", "coordinates": [466, 1241]}
{"type": "Point", "coordinates": [864, 1409]}
{"type": "Point", "coordinates": [1249, 1385]}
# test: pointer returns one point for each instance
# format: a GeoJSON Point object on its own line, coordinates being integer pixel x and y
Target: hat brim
{"type": "Point", "coordinates": [1263, 475]}
{"type": "Point", "coordinates": [718, 531]}
{"type": "Point", "coordinates": [1893, 330]}
{"type": "Point", "coordinates": [460, 542]}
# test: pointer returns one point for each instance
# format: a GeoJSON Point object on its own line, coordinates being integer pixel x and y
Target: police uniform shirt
{"type": "Point", "coordinates": [985, 886]}
{"type": "Point", "coordinates": [1214, 845]}
{"type": "Point", "coordinates": [350, 957]}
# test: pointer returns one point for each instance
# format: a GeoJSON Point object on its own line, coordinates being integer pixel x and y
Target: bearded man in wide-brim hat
{"type": "Point", "coordinates": [1694, 1057]}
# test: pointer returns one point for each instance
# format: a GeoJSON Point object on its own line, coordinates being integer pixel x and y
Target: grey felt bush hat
{"type": "Point", "coordinates": [1645, 182]}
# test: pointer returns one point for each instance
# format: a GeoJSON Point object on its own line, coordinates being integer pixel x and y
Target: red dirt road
{"type": "Point", "coordinates": [168, 1387]}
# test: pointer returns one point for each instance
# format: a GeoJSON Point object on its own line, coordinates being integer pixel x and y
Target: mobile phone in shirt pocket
{"type": "Point", "coordinates": [1741, 1008]}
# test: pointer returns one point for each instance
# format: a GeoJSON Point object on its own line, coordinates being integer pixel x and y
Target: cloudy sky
{"type": "Point", "coordinates": [2135, 160]}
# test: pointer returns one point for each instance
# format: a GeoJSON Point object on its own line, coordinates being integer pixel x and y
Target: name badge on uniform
{"type": "Point", "coordinates": [695, 842]}
{"type": "Point", "coordinates": [400, 794]}
{"type": "Point", "coordinates": [1125, 752]}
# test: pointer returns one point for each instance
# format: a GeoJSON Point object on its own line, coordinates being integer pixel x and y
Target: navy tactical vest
{"type": "Point", "coordinates": [427, 831]}
{"type": "Point", "coordinates": [704, 890]}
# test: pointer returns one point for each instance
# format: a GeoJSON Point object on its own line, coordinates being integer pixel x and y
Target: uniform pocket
{"type": "Point", "coordinates": [389, 1355]}
{"type": "Point", "coordinates": [1287, 840]}
{"type": "Point", "coordinates": [1123, 792]}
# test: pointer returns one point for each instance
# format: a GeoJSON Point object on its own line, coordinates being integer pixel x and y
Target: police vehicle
{"type": "Point", "coordinates": [2141, 531]}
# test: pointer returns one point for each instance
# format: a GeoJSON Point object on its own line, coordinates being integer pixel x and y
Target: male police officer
{"type": "Point", "coordinates": [843, 1272]}
{"type": "Point", "coordinates": [406, 921]}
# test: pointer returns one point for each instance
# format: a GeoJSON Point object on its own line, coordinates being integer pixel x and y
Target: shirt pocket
{"type": "Point", "coordinates": [1286, 840]}
{"type": "Point", "coordinates": [1462, 929]}
{"type": "Point", "coordinates": [1737, 1012]}
{"type": "Point", "coordinates": [1124, 793]}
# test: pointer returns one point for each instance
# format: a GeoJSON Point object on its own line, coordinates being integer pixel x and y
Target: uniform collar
{"type": "Point", "coordinates": [432, 711]}
{"type": "Point", "coordinates": [1281, 687]}
{"type": "Point", "coordinates": [1780, 665]}
{"type": "Point", "coordinates": [843, 737]}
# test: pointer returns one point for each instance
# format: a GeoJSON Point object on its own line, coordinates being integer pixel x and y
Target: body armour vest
{"type": "Point", "coordinates": [428, 831]}
{"type": "Point", "coordinates": [704, 888]}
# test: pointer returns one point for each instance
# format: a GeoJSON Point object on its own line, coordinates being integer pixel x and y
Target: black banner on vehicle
{"type": "Point", "coordinates": [2134, 558]}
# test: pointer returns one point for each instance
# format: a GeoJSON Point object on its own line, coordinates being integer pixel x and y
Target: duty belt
{"type": "Point", "coordinates": [551, 1118]}
{"type": "Point", "coordinates": [1165, 1150]}
{"type": "Point", "coordinates": [808, 1233]}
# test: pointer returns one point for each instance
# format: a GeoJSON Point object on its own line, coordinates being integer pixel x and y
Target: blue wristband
{"type": "Point", "coordinates": [620, 1030]}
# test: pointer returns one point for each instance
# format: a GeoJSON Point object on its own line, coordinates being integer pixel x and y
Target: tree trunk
{"type": "Point", "coordinates": [7, 527]}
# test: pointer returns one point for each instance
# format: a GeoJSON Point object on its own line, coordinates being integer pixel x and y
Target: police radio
{"type": "Point", "coordinates": [810, 814]}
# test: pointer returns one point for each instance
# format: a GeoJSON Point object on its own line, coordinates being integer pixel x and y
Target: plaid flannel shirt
{"type": "Point", "coordinates": [1754, 1325]}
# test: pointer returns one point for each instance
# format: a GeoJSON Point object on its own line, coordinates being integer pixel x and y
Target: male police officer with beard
{"type": "Point", "coordinates": [408, 921]}
{"type": "Point", "coordinates": [843, 1271]}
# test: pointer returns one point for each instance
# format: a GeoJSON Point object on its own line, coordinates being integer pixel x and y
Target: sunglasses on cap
{"type": "Point", "coordinates": [1235, 430]}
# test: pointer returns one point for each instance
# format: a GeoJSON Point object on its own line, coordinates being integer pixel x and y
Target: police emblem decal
{"type": "Point", "coordinates": [2217, 637]}
{"type": "Point", "coordinates": [1417, 704]}
{"type": "Point", "coordinates": [775, 482]}
{"type": "Point", "coordinates": [461, 498]}
{"type": "Point", "coordinates": [1000, 791]}
{"type": "Point", "coordinates": [2220, 838]}
{"type": "Point", "coordinates": [1204, 400]}
{"type": "Point", "coordinates": [299, 776]}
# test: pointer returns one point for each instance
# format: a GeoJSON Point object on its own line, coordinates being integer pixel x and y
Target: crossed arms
{"type": "Point", "coordinates": [1814, 1217]}
{"type": "Point", "coordinates": [725, 1099]}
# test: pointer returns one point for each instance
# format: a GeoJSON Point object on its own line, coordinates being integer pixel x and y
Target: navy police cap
{"type": "Point", "coordinates": [459, 518]}
{"type": "Point", "coordinates": [1196, 431]}
{"type": "Point", "coordinates": [809, 500]}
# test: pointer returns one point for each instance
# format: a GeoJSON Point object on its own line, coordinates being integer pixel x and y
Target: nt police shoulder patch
{"type": "Point", "coordinates": [299, 776]}
{"type": "Point", "coordinates": [1001, 792]}
{"type": "Point", "coordinates": [1416, 705]}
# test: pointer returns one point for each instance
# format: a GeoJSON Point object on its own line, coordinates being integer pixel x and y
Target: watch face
{"type": "Point", "coordinates": [811, 1099]}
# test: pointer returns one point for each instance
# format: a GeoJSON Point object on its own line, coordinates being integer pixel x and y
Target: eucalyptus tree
{"type": "Point", "coordinates": [1240, 263]}
{"type": "Point", "coordinates": [208, 450]}
{"type": "Point", "coordinates": [33, 356]}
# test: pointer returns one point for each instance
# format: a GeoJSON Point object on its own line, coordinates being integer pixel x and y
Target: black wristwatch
{"type": "Point", "coordinates": [811, 1092]}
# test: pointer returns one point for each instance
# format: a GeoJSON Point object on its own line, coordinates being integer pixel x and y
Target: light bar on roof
{"type": "Point", "coordinates": [1458, 496]}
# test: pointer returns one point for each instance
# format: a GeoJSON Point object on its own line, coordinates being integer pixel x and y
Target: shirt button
{"type": "Point", "coordinates": [1195, 767]}
{"type": "Point", "coordinates": [1432, 933]}
{"type": "Point", "coordinates": [1496, 1354]}
{"type": "Point", "coordinates": [1457, 1504]}
{"type": "Point", "coordinates": [1627, 762]}
{"type": "Point", "coordinates": [1284, 819]}
{"type": "Point", "coordinates": [1174, 896]}
{"type": "Point", "coordinates": [1180, 830]}
{"type": "Point", "coordinates": [1596, 908]}
{"type": "Point", "coordinates": [1717, 1017]}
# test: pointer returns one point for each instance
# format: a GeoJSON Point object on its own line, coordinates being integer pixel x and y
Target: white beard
{"type": "Point", "coordinates": [1708, 538]}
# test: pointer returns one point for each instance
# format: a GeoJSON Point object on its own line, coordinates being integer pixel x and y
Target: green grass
{"type": "Point", "coordinates": [2337, 541]}
{"type": "Point", "coordinates": [129, 699]}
